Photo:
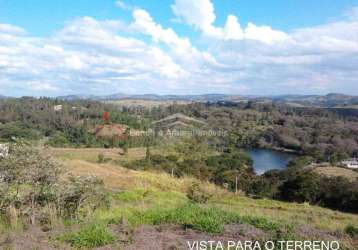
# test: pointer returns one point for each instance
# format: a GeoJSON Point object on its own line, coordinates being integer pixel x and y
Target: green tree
{"type": "Point", "coordinates": [302, 187]}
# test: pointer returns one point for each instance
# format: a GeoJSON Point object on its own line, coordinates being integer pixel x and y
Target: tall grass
{"type": "Point", "coordinates": [209, 219]}
{"type": "Point", "coordinates": [93, 235]}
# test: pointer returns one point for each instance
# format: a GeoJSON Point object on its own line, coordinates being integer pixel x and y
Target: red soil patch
{"type": "Point", "coordinates": [111, 131]}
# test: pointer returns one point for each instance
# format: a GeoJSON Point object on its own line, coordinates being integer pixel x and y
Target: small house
{"type": "Point", "coordinates": [57, 108]}
{"type": "Point", "coordinates": [351, 163]}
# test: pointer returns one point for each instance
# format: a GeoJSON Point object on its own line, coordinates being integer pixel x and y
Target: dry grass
{"type": "Point", "coordinates": [119, 178]}
{"type": "Point", "coordinates": [336, 171]}
{"type": "Point", "coordinates": [91, 154]}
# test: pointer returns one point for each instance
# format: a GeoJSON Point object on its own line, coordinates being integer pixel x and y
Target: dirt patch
{"type": "Point", "coordinates": [170, 237]}
{"type": "Point", "coordinates": [245, 231]}
{"type": "Point", "coordinates": [32, 238]}
{"type": "Point", "coordinates": [308, 232]}
{"type": "Point", "coordinates": [111, 131]}
{"type": "Point", "coordinates": [164, 237]}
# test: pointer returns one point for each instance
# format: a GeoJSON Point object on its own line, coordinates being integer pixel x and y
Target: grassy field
{"type": "Point", "coordinates": [91, 154]}
{"type": "Point", "coordinates": [148, 198]}
{"type": "Point", "coordinates": [83, 161]}
{"type": "Point", "coordinates": [337, 171]}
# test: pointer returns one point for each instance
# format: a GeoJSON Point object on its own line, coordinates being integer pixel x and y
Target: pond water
{"type": "Point", "coordinates": [266, 159]}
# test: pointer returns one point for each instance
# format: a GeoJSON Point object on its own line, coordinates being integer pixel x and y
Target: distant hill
{"type": "Point", "coordinates": [331, 100]}
{"type": "Point", "coordinates": [153, 97]}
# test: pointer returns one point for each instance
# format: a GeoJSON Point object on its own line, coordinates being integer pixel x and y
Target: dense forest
{"type": "Point", "coordinates": [314, 134]}
{"type": "Point", "coordinates": [35, 119]}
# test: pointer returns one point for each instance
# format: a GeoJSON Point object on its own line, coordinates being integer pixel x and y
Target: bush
{"type": "Point", "coordinates": [198, 194]}
{"type": "Point", "coordinates": [100, 158]}
{"type": "Point", "coordinates": [306, 186]}
{"type": "Point", "coordinates": [28, 180]}
{"type": "Point", "coordinates": [352, 231]}
{"type": "Point", "coordinates": [30, 183]}
{"type": "Point", "coordinates": [80, 195]}
{"type": "Point", "coordinates": [301, 187]}
{"type": "Point", "coordinates": [58, 140]}
{"type": "Point", "coordinates": [17, 130]}
{"type": "Point", "coordinates": [301, 161]}
{"type": "Point", "coordinates": [95, 235]}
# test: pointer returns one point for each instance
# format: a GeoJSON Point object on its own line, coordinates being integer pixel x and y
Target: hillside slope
{"type": "Point", "coordinates": [151, 211]}
{"type": "Point", "coordinates": [147, 198]}
{"type": "Point", "coordinates": [118, 178]}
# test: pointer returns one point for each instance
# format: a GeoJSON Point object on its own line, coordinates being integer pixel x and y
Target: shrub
{"type": "Point", "coordinates": [95, 235]}
{"type": "Point", "coordinates": [79, 195]}
{"type": "Point", "coordinates": [100, 158]}
{"type": "Point", "coordinates": [352, 231]}
{"type": "Point", "coordinates": [301, 187]}
{"type": "Point", "coordinates": [30, 183]}
{"type": "Point", "coordinates": [198, 194]}
{"type": "Point", "coordinates": [33, 175]}
{"type": "Point", "coordinates": [58, 140]}
{"type": "Point", "coordinates": [18, 130]}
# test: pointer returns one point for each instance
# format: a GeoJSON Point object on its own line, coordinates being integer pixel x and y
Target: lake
{"type": "Point", "coordinates": [266, 159]}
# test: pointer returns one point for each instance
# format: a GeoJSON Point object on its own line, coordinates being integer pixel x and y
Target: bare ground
{"type": "Point", "coordinates": [31, 239]}
{"type": "Point", "coordinates": [170, 237]}
{"type": "Point", "coordinates": [162, 237]}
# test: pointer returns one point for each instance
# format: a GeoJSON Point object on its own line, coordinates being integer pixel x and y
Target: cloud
{"type": "Point", "coordinates": [352, 13]}
{"type": "Point", "coordinates": [11, 29]}
{"type": "Point", "coordinates": [144, 23]}
{"type": "Point", "coordinates": [198, 13]}
{"type": "Point", "coordinates": [265, 34]}
{"type": "Point", "coordinates": [333, 37]}
{"type": "Point", "coordinates": [42, 86]}
{"type": "Point", "coordinates": [180, 49]}
{"type": "Point", "coordinates": [122, 5]}
{"type": "Point", "coordinates": [313, 60]}
{"type": "Point", "coordinates": [233, 30]}
{"type": "Point", "coordinates": [106, 56]}
{"type": "Point", "coordinates": [201, 15]}
{"type": "Point", "coordinates": [86, 54]}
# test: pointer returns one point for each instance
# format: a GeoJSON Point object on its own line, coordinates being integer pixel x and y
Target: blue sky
{"type": "Point", "coordinates": [44, 17]}
{"type": "Point", "coordinates": [178, 46]}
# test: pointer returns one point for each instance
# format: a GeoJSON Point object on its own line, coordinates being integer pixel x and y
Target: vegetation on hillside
{"type": "Point", "coordinates": [143, 198]}
{"type": "Point", "coordinates": [32, 191]}
{"type": "Point", "coordinates": [189, 182]}
{"type": "Point", "coordinates": [317, 135]}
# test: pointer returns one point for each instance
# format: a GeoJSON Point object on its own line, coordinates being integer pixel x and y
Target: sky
{"type": "Point", "coordinates": [243, 47]}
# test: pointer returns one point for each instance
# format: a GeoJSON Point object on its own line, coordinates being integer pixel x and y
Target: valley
{"type": "Point", "coordinates": [96, 184]}
{"type": "Point", "coordinates": [152, 203]}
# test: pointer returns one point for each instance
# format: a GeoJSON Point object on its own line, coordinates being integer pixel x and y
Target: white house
{"type": "Point", "coordinates": [57, 107]}
{"type": "Point", "coordinates": [4, 150]}
{"type": "Point", "coordinates": [351, 163]}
